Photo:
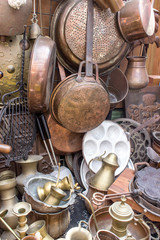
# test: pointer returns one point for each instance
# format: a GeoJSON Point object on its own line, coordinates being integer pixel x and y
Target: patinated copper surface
{"type": "Point", "coordinates": [136, 20]}
{"type": "Point", "coordinates": [79, 106]}
{"type": "Point", "coordinates": [40, 74]}
{"type": "Point", "coordinates": [12, 20]}
{"type": "Point", "coordinates": [62, 139]}
{"type": "Point", "coordinates": [68, 29]}
{"type": "Point", "coordinates": [114, 5]}
{"type": "Point", "coordinates": [136, 72]}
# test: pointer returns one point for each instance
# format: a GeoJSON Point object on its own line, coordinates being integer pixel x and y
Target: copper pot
{"type": "Point", "coordinates": [104, 234]}
{"type": "Point", "coordinates": [136, 20]}
{"type": "Point", "coordinates": [12, 20]}
{"type": "Point", "coordinates": [136, 72]}
{"type": "Point", "coordinates": [40, 79]}
{"type": "Point", "coordinates": [80, 103]}
{"type": "Point", "coordinates": [114, 5]}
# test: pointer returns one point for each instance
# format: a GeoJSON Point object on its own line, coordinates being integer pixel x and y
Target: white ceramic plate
{"type": "Point", "coordinates": [108, 137]}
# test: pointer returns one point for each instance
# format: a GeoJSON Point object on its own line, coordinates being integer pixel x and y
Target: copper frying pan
{"type": "Point", "coordinates": [41, 73]}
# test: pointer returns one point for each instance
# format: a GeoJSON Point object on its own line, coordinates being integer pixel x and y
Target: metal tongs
{"type": "Point", "coordinates": [45, 135]}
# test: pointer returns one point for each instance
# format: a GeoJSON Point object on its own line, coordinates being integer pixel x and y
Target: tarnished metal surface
{"type": "Point", "coordinates": [72, 142]}
{"type": "Point", "coordinates": [69, 32]}
{"type": "Point", "coordinates": [73, 105]}
{"type": "Point", "coordinates": [12, 20]}
{"type": "Point", "coordinates": [42, 66]}
{"type": "Point", "coordinates": [114, 5]}
{"type": "Point", "coordinates": [139, 140]}
{"type": "Point", "coordinates": [10, 59]}
{"type": "Point", "coordinates": [139, 230]}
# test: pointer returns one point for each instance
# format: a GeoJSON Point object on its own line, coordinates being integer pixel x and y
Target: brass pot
{"type": "Point", "coordinates": [17, 18]}
{"type": "Point", "coordinates": [8, 197]}
{"type": "Point", "coordinates": [136, 20]}
{"type": "Point", "coordinates": [56, 223]}
{"type": "Point", "coordinates": [136, 72]}
{"type": "Point", "coordinates": [114, 5]}
{"type": "Point", "coordinates": [55, 196]}
{"type": "Point", "coordinates": [78, 233]}
{"type": "Point", "coordinates": [39, 226]}
{"type": "Point", "coordinates": [29, 167]}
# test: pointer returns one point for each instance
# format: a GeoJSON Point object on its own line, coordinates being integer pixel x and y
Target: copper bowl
{"type": "Point", "coordinates": [136, 20]}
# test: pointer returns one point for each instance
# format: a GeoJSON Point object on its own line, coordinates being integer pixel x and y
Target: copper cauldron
{"type": "Point", "coordinates": [12, 20]}
{"type": "Point", "coordinates": [136, 20]}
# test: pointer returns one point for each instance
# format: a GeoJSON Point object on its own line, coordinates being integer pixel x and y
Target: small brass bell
{"type": "Point", "coordinates": [35, 31]}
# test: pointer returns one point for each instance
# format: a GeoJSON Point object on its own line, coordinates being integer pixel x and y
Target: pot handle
{"type": "Point", "coordinates": [140, 164]}
{"type": "Point", "coordinates": [80, 223]}
{"type": "Point", "coordinates": [151, 224]}
{"type": "Point", "coordinates": [79, 77]}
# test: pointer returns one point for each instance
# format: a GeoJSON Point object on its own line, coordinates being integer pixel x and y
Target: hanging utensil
{"type": "Point", "coordinates": [17, 124]}
{"type": "Point", "coordinates": [35, 30]}
{"type": "Point", "coordinates": [80, 102]}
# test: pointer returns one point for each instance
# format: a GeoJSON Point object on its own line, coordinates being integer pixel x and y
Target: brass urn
{"type": "Point", "coordinates": [103, 179]}
{"type": "Point", "coordinates": [122, 214]}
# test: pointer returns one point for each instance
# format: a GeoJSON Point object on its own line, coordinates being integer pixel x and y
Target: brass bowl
{"type": "Point", "coordinates": [31, 195]}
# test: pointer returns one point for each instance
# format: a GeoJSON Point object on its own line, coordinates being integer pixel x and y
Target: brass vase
{"type": "Point", "coordinates": [8, 197]}
{"type": "Point", "coordinates": [29, 167]}
{"type": "Point", "coordinates": [39, 226]}
{"type": "Point", "coordinates": [136, 72]}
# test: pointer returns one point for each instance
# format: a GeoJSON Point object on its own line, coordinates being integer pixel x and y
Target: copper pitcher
{"type": "Point", "coordinates": [136, 72]}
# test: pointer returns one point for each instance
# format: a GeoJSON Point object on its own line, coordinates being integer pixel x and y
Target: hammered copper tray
{"type": "Point", "coordinates": [68, 29]}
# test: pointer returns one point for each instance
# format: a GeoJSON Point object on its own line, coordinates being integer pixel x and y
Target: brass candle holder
{"type": "Point", "coordinates": [21, 210]}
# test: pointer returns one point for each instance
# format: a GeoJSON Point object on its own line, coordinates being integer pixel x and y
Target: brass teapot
{"type": "Point", "coordinates": [103, 179]}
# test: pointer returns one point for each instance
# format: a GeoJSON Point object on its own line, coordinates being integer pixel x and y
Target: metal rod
{"type": "Point", "coordinates": [9, 228]}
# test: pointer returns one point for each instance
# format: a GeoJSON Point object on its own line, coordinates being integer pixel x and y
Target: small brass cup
{"type": "Point", "coordinates": [55, 196]}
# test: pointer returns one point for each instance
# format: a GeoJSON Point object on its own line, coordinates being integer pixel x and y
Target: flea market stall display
{"type": "Point", "coordinates": [70, 169]}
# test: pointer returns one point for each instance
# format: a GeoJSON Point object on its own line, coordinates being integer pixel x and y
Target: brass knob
{"type": "Point", "coordinates": [1, 74]}
{"type": "Point", "coordinates": [10, 69]}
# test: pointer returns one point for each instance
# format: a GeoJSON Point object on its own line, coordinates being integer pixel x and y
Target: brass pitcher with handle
{"type": "Point", "coordinates": [103, 179]}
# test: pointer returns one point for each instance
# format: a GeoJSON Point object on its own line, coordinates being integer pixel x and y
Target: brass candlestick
{"type": "Point", "coordinates": [21, 210]}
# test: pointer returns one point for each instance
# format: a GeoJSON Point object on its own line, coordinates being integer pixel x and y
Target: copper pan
{"type": "Point", "coordinates": [136, 20]}
{"type": "Point", "coordinates": [114, 5]}
{"type": "Point", "coordinates": [68, 29]}
{"type": "Point", "coordinates": [41, 73]}
{"type": "Point", "coordinates": [62, 139]}
{"type": "Point", "coordinates": [73, 106]}
{"type": "Point", "coordinates": [12, 20]}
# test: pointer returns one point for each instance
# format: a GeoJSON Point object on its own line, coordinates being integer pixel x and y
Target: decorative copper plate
{"type": "Point", "coordinates": [68, 29]}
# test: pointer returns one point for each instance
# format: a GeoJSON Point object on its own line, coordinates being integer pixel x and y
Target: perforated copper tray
{"type": "Point", "coordinates": [68, 29]}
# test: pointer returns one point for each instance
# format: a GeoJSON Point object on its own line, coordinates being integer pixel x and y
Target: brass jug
{"type": "Point", "coordinates": [136, 72]}
{"type": "Point", "coordinates": [78, 233]}
{"type": "Point", "coordinates": [29, 167]}
{"type": "Point", "coordinates": [103, 179]}
{"type": "Point", "coordinates": [39, 227]}
{"type": "Point", "coordinates": [55, 196]}
{"type": "Point", "coordinates": [8, 197]}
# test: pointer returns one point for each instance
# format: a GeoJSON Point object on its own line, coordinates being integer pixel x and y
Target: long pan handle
{"type": "Point", "coordinates": [47, 135]}
{"type": "Point", "coordinates": [44, 141]}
